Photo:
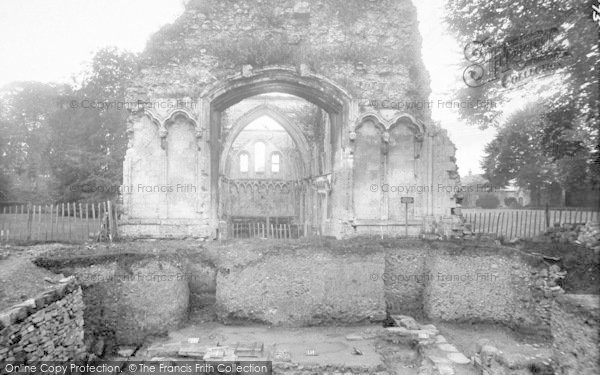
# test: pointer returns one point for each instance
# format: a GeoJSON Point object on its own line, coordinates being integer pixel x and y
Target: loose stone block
{"type": "Point", "coordinates": [458, 358]}
{"type": "Point", "coordinates": [447, 347]}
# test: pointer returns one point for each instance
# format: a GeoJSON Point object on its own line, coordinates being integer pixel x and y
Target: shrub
{"type": "Point", "coordinates": [487, 201]}
{"type": "Point", "coordinates": [511, 202]}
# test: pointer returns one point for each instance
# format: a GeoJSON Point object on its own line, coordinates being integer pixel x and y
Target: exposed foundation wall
{"type": "Point", "coordinates": [48, 327]}
{"type": "Point", "coordinates": [480, 288]}
{"type": "Point", "coordinates": [440, 280]}
{"type": "Point", "coordinates": [125, 303]}
{"type": "Point", "coordinates": [304, 287]}
{"type": "Point", "coordinates": [477, 284]}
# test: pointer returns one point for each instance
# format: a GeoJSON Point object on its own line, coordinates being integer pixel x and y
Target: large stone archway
{"type": "Point", "coordinates": [315, 89]}
{"type": "Point", "coordinates": [373, 132]}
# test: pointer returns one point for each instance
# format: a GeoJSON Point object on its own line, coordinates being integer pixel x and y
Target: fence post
{"type": "Point", "coordinates": [29, 220]}
{"type": "Point", "coordinates": [547, 211]}
{"type": "Point", "coordinates": [110, 220]}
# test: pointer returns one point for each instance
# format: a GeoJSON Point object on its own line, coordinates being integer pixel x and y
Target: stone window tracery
{"type": "Point", "coordinates": [275, 162]}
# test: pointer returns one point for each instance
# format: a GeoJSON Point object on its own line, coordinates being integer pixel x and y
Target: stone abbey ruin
{"type": "Point", "coordinates": [345, 81]}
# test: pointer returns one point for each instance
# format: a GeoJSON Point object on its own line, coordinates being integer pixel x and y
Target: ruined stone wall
{"type": "Point", "coordinates": [336, 54]}
{"type": "Point", "coordinates": [48, 327]}
{"type": "Point", "coordinates": [372, 48]}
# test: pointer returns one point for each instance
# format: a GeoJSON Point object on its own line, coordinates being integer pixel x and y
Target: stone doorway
{"type": "Point", "coordinates": [264, 166]}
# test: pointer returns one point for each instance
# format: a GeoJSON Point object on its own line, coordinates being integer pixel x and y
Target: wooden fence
{"type": "Point", "coordinates": [523, 223]}
{"type": "Point", "coordinates": [65, 222]}
{"type": "Point", "coordinates": [263, 230]}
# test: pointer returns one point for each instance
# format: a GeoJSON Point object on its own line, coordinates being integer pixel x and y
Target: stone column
{"type": "Point", "coordinates": [164, 173]}
{"type": "Point", "coordinates": [429, 217]}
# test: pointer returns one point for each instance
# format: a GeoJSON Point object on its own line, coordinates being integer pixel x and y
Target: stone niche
{"type": "Point", "coordinates": [371, 143]}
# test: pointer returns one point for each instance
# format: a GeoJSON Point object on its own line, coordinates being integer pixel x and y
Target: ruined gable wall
{"type": "Point", "coordinates": [371, 48]}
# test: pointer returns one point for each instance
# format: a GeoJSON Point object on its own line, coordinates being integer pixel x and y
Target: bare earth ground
{"type": "Point", "coordinates": [20, 279]}
{"type": "Point", "coordinates": [329, 343]}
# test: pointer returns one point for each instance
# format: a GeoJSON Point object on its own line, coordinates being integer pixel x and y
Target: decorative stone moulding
{"type": "Point", "coordinates": [386, 137]}
{"type": "Point", "coordinates": [247, 70]}
{"type": "Point", "coordinates": [385, 125]}
{"type": "Point", "coordinates": [163, 124]}
{"type": "Point", "coordinates": [162, 133]}
{"type": "Point", "coordinates": [323, 184]}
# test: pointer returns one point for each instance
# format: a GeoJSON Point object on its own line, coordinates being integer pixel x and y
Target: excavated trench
{"type": "Point", "coordinates": [155, 299]}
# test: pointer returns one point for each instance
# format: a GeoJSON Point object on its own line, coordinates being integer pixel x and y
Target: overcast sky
{"type": "Point", "coordinates": [51, 40]}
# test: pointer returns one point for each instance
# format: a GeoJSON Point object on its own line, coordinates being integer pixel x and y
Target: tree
{"type": "Point", "coordinates": [26, 108]}
{"type": "Point", "coordinates": [487, 200]}
{"type": "Point", "coordinates": [502, 20]}
{"type": "Point", "coordinates": [530, 151]}
{"type": "Point", "coordinates": [88, 138]}
{"type": "Point", "coordinates": [565, 146]}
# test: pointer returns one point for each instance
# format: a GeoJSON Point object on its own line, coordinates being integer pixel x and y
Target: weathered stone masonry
{"type": "Point", "coordinates": [48, 327]}
{"type": "Point", "coordinates": [341, 56]}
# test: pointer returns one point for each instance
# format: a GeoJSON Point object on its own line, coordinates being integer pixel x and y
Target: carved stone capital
{"type": "Point", "coordinates": [386, 137]}
{"type": "Point", "coordinates": [352, 135]}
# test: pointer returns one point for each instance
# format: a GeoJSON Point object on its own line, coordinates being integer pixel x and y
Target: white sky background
{"type": "Point", "coordinates": [51, 40]}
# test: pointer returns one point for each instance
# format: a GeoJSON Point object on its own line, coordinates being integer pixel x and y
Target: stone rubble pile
{"type": "Point", "coordinates": [588, 234]}
{"type": "Point", "coordinates": [489, 360]}
{"type": "Point", "coordinates": [438, 356]}
{"type": "Point", "coordinates": [563, 233]}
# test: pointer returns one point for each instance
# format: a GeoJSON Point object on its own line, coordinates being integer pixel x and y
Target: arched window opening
{"type": "Point", "coordinates": [259, 157]}
{"type": "Point", "coordinates": [244, 162]}
{"type": "Point", "coordinates": [275, 163]}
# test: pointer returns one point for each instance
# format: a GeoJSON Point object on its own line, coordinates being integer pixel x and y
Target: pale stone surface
{"type": "Point", "coordinates": [439, 360]}
{"type": "Point", "coordinates": [458, 358]}
{"type": "Point", "coordinates": [447, 347]}
{"type": "Point", "coordinates": [446, 370]}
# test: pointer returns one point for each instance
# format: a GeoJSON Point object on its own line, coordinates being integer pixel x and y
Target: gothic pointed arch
{"type": "Point", "coordinates": [269, 111]}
